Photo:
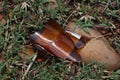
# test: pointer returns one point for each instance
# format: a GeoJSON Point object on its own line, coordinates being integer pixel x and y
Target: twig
{"type": "Point", "coordinates": [29, 66]}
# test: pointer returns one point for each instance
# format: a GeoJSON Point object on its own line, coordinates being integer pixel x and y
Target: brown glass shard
{"type": "Point", "coordinates": [55, 40]}
{"type": "Point", "coordinates": [78, 40]}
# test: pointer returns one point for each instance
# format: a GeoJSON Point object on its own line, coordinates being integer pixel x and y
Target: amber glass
{"type": "Point", "coordinates": [54, 39]}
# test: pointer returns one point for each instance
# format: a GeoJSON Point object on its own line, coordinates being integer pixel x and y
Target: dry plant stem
{"type": "Point", "coordinates": [29, 66]}
{"type": "Point", "coordinates": [66, 3]}
{"type": "Point", "coordinates": [106, 7]}
{"type": "Point", "coordinates": [106, 77]}
{"type": "Point", "coordinates": [100, 36]}
{"type": "Point", "coordinates": [69, 17]}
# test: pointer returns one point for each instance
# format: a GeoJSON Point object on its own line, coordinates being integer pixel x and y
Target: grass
{"type": "Point", "coordinates": [20, 22]}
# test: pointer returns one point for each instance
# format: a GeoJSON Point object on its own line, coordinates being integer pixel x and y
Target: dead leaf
{"type": "Point", "coordinates": [33, 17]}
{"type": "Point", "coordinates": [3, 21]}
{"type": "Point", "coordinates": [28, 51]}
{"type": "Point", "coordinates": [97, 49]}
{"type": "Point", "coordinates": [1, 17]}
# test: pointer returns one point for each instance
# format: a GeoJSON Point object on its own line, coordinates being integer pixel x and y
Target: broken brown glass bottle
{"type": "Point", "coordinates": [57, 41]}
